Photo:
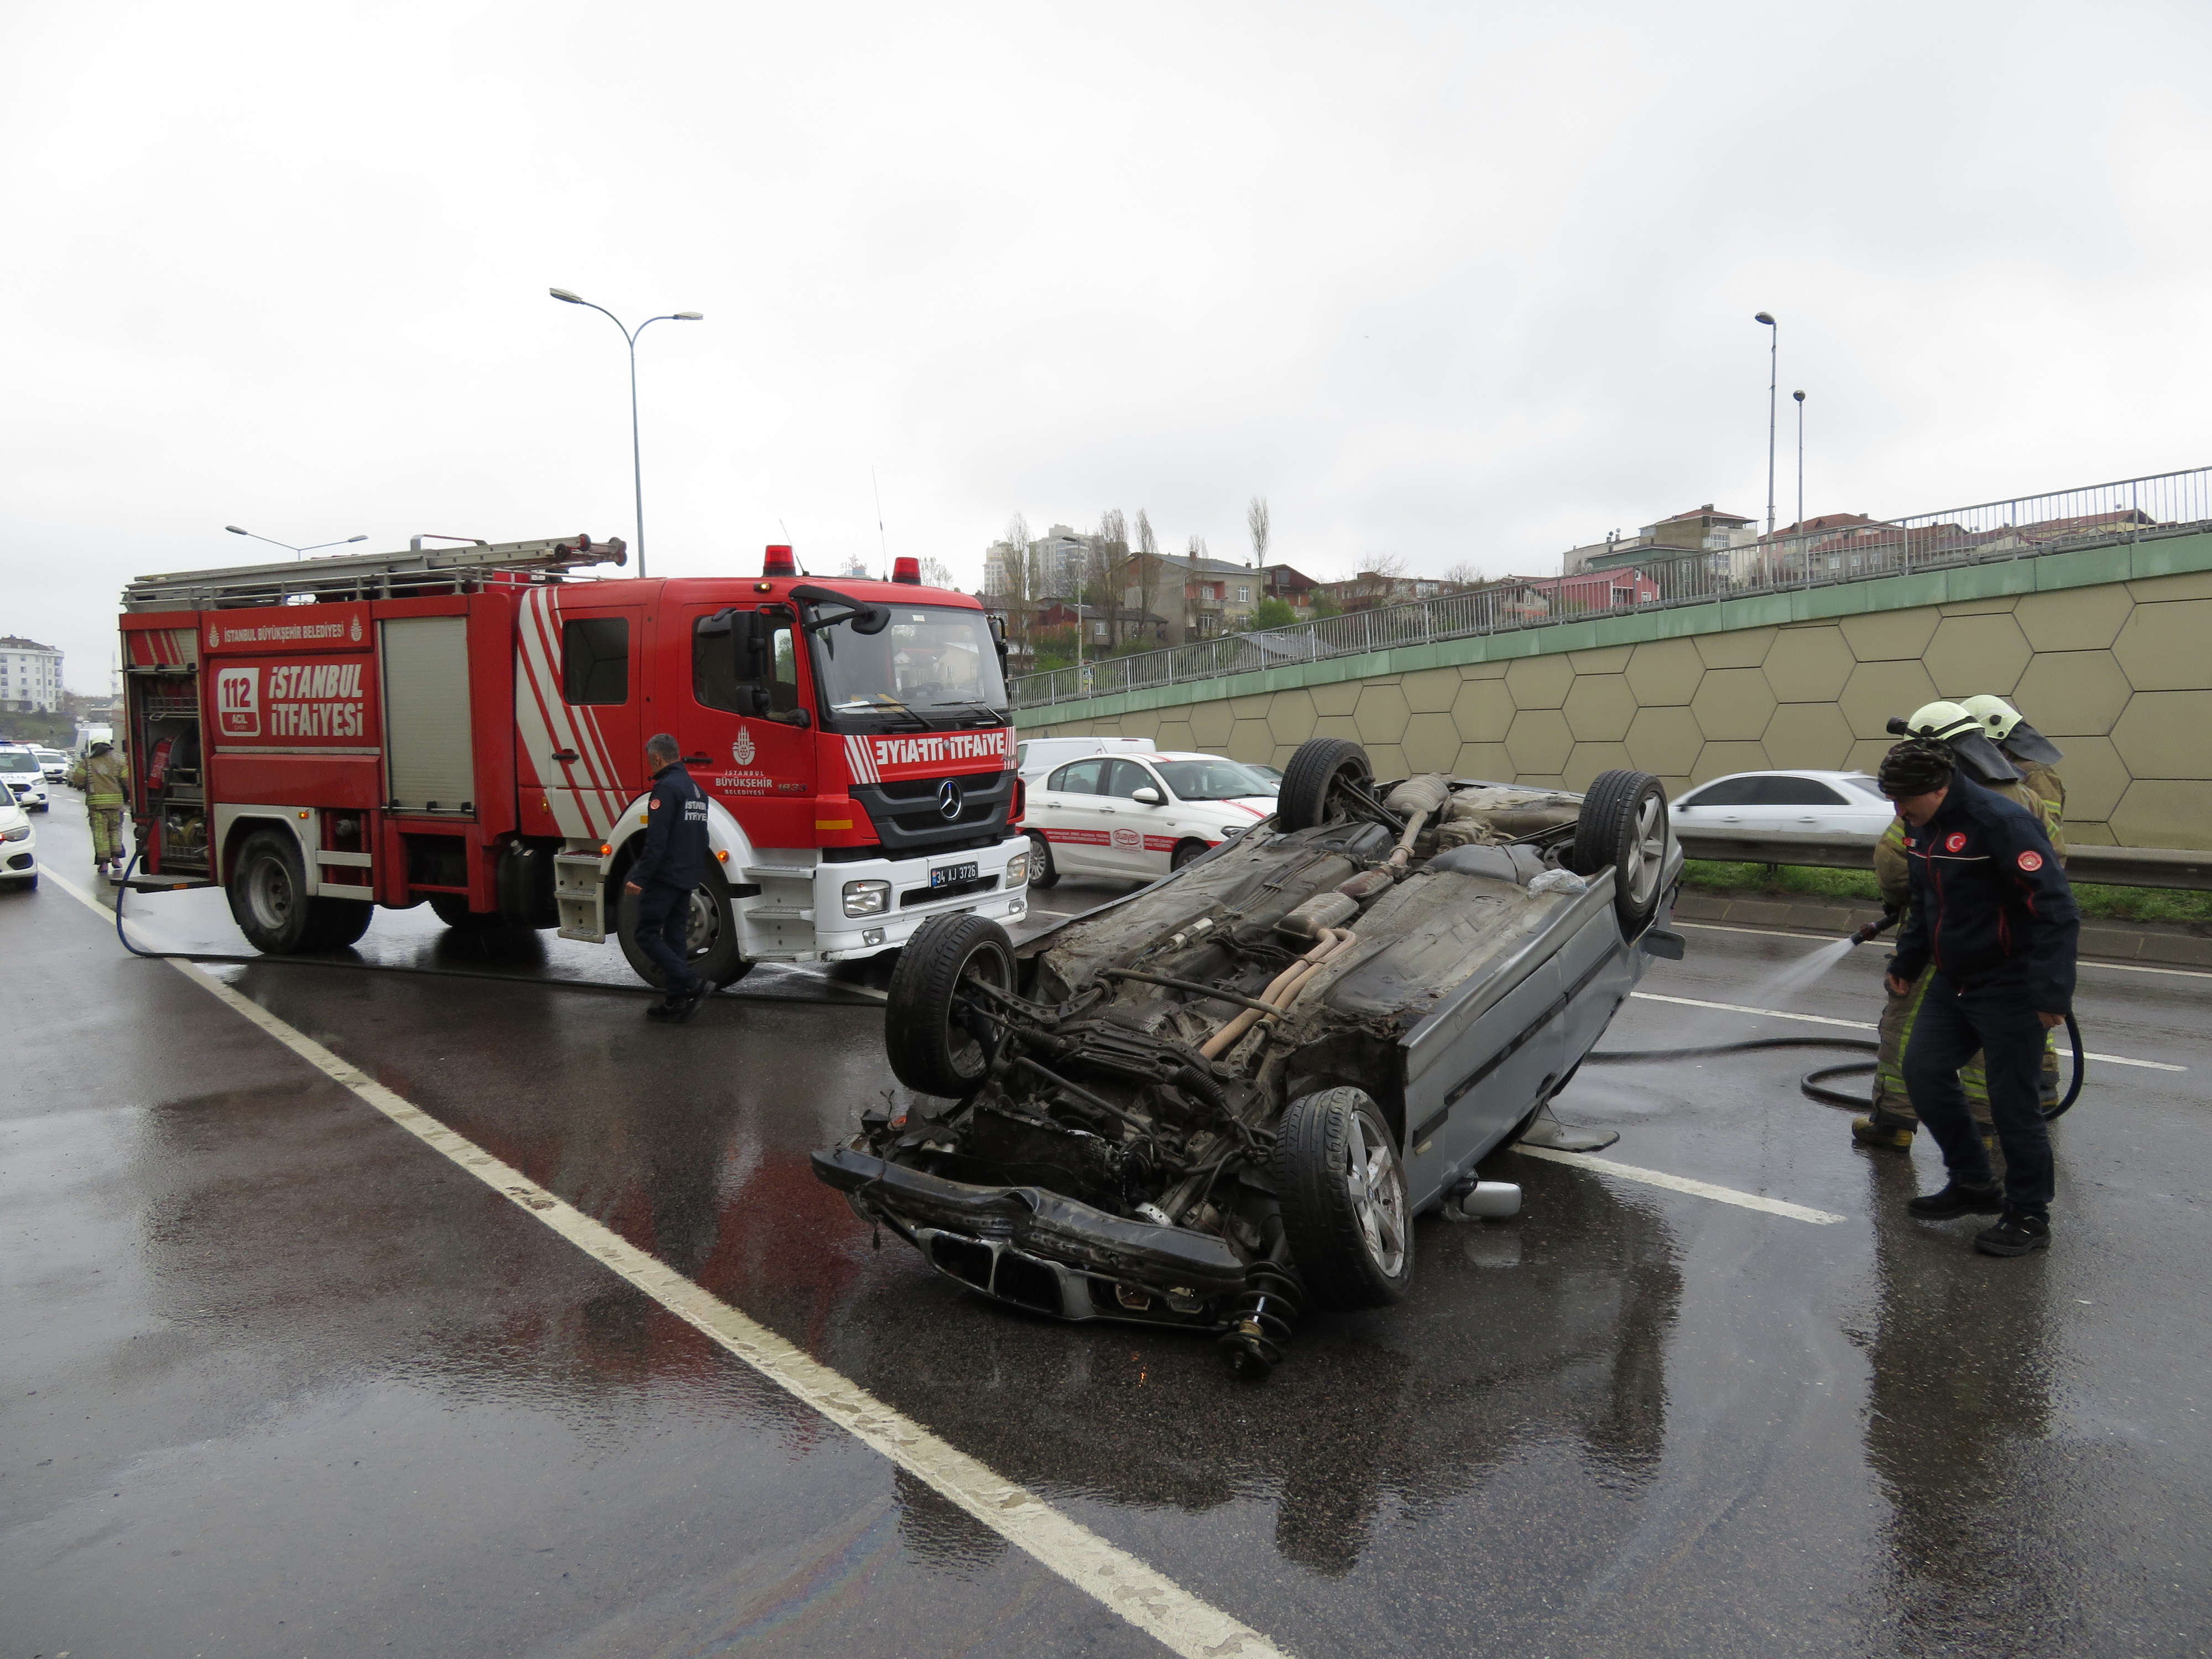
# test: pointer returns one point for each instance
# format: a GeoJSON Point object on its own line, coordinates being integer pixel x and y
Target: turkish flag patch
{"type": "Point", "coordinates": [2030, 860]}
{"type": "Point", "coordinates": [1955, 841]}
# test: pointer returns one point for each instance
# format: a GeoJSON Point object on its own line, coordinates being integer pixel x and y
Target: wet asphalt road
{"type": "Point", "coordinates": [280, 1380]}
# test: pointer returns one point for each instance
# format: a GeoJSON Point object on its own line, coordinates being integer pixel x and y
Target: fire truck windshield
{"type": "Point", "coordinates": [932, 662]}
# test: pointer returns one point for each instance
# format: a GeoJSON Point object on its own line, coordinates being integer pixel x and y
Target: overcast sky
{"type": "Point", "coordinates": [1449, 283]}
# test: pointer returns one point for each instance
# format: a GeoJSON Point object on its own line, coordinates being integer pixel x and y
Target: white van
{"type": "Point", "coordinates": [1038, 755]}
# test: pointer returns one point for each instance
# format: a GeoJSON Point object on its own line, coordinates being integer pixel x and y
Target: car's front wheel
{"type": "Point", "coordinates": [1043, 872]}
{"type": "Point", "coordinates": [1185, 851]}
{"type": "Point", "coordinates": [1321, 782]}
{"type": "Point", "coordinates": [1344, 1198]}
{"type": "Point", "coordinates": [710, 934]}
{"type": "Point", "coordinates": [936, 1023]}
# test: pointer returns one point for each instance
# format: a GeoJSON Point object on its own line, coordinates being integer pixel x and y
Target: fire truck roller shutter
{"type": "Point", "coordinates": [717, 935]}
{"type": "Point", "coordinates": [429, 742]}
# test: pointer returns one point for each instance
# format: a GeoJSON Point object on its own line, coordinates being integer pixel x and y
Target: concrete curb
{"type": "Point", "coordinates": [2165, 944]}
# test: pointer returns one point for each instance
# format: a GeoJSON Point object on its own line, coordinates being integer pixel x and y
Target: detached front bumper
{"type": "Point", "coordinates": [909, 898]}
{"type": "Point", "coordinates": [1040, 1249]}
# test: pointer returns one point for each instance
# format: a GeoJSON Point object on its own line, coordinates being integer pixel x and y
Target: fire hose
{"type": "Point", "coordinates": [1813, 1084]}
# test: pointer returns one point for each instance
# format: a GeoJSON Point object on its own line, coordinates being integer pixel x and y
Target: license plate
{"type": "Point", "coordinates": [946, 875]}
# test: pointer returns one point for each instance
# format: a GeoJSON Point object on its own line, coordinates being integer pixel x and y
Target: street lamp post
{"type": "Point", "coordinates": [1800, 397]}
{"type": "Point", "coordinates": [629, 338]}
{"type": "Point", "coordinates": [298, 552]}
{"type": "Point", "coordinates": [1773, 362]}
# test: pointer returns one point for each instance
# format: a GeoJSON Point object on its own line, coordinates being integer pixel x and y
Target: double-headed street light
{"type": "Point", "coordinates": [1773, 362]}
{"type": "Point", "coordinates": [301, 552]}
{"type": "Point", "coordinates": [629, 338]}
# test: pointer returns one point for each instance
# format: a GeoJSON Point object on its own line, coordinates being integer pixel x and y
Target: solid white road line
{"type": "Point", "coordinates": [1830, 939]}
{"type": "Point", "coordinates": [1868, 1025]}
{"type": "Point", "coordinates": [1149, 1600]}
{"type": "Point", "coordinates": [1675, 1183]}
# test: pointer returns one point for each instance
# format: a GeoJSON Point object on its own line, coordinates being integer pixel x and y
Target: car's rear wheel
{"type": "Point", "coordinates": [1314, 783]}
{"type": "Point", "coordinates": [1043, 872]}
{"type": "Point", "coordinates": [1185, 851]}
{"type": "Point", "coordinates": [710, 934]}
{"type": "Point", "coordinates": [936, 1026]}
{"type": "Point", "coordinates": [1344, 1198]}
{"type": "Point", "coordinates": [1623, 827]}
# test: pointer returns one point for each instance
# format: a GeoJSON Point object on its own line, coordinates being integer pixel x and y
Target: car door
{"type": "Point", "coordinates": [1802, 806]}
{"type": "Point", "coordinates": [1131, 825]}
{"type": "Point", "coordinates": [1722, 804]}
{"type": "Point", "coordinates": [740, 738]}
{"type": "Point", "coordinates": [1066, 812]}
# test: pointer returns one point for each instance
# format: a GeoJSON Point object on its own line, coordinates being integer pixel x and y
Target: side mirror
{"type": "Point", "coordinates": [1148, 795]}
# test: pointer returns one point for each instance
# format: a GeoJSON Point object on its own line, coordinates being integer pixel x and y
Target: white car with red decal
{"type": "Point", "coordinates": [1139, 817]}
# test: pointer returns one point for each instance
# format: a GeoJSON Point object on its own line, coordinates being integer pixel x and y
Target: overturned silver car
{"type": "Point", "coordinates": [1223, 1097]}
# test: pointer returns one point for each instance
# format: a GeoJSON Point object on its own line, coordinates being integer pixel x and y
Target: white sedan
{"type": "Point", "coordinates": [1138, 816]}
{"type": "Point", "coordinates": [19, 847]}
{"type": "Point", "coordinates": [1809, 803]}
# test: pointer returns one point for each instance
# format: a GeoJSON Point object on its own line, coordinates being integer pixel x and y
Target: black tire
{"type": "Point", "coordinates": [268, 894]}
{"type": "Point", "coordinates": [337, 923]}
{"type": "Point", "coordinates": [1623, 827]}
{"type": "Point", "coordinates": [935, 1046]}
{"type": "Point", "coordinates": [714, 954]}
{"type": "Point", "coordinates": [1185, 851]}
{"type": "Point", "coordinates": [452, 910]}
{"type": "Point", "coordinates": [1043, 872]}
{"type": "Point", "coordinates": [1344, 1243]}
{"type": "Point", "coordinates": [1312, 778]}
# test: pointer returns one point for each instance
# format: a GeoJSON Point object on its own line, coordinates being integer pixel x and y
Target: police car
{"type": "Point", "coordinates": [1138, 816]}
{"type": "Point", "coordinates": [25, 778]}
{"type": "Point", "coordinates": [19, 848]}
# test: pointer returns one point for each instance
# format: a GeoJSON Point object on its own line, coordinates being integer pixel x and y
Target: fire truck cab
{"type": "Point", "coordinates": [466, 727]}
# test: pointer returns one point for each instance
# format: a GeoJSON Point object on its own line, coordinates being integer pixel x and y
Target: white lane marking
{"type": "Point", "coordinates": [1683, 1184]}
{"type": "Point", "coordinates": [1830, 939]}
{"type": "Point", "coordinates": [1148, 1599]}
{"type": "Point", "coordinates": [1868, 1025]}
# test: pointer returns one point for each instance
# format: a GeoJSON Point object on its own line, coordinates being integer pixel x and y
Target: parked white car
{"type": "Point", "coordinates": [19, 847]}
{"type": "Point", "coordinates": [25, 778]}
{"type": "Point", "coordinates": [1809, 803]}
{"type": "Point", "coordinates": [1139, 817]}
{"type": "Point", "coordinates": [54, 763]}
{"type": "Point", "coordinates": [1035, 756]}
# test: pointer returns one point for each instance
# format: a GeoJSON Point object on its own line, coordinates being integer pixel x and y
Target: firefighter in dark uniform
{"type": "Point", "coordinates": [674, 862]}
{"type": "Point", "coordinates": [1992, 921]}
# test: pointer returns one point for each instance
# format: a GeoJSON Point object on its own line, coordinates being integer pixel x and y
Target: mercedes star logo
{"type": "Point", "coordinates": [948, 800]}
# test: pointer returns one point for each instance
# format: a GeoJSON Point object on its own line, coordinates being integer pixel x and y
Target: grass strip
{"type": "Point", "coordinates": [1857, 887]}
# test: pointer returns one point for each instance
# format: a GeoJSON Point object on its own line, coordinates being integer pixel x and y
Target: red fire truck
{"type": "Point", "coordinates": [467, 726]}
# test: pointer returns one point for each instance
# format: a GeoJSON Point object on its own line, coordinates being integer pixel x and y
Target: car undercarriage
{"type": "Point", "coordinates": [1223, 1098]}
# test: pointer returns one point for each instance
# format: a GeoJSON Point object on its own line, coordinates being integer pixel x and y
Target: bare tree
{"type": "Point", "coordinates": [1147, 557]}
{"type": "Point", "coordinates": [1197, 547]}
{"type": "Point", "coordinates": [1465, 574]}
{"type": "Point", "coordinates": [935, 573]}
{"type": "Point", "coordinates": [1109, 559]}
{"type": "Point", "coordinates": [1256, 520]}
{"type": "Point", "coordinates": [1018, 577]}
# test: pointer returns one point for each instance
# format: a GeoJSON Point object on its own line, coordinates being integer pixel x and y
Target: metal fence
{"type": "Point", "coordinates": [2025, 527]}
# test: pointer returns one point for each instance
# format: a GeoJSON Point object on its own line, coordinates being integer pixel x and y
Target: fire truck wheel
{"type": "Point", "coordinates": [268, 894]}
{"type": "Point", "coordinates": [335, 924]}
{"type": "Point", "coordinates": [713, 933]}
{"type": "Point", "coordinates": [1042, 872]}
{"type": "Point", "coordinates": [452, 910]}
{"type": "Point", "coordinates": [936, 1029]}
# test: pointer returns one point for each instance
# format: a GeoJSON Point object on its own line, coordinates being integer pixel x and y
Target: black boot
{"type": "Point", "coordinates": [2015, 1234]}
{"type": "Point", "coordinates": [1956, 1200]}
{"type": "Point", "coordinates": [665, 1010]}
{"type": "Point", "coordinates": [684, 1004]}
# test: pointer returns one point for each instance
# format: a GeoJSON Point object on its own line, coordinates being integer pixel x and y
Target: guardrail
{"type": "Point", "coordinates": [2116, 866]}
{"type": "Point", "coordinates": [2024, 527]}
